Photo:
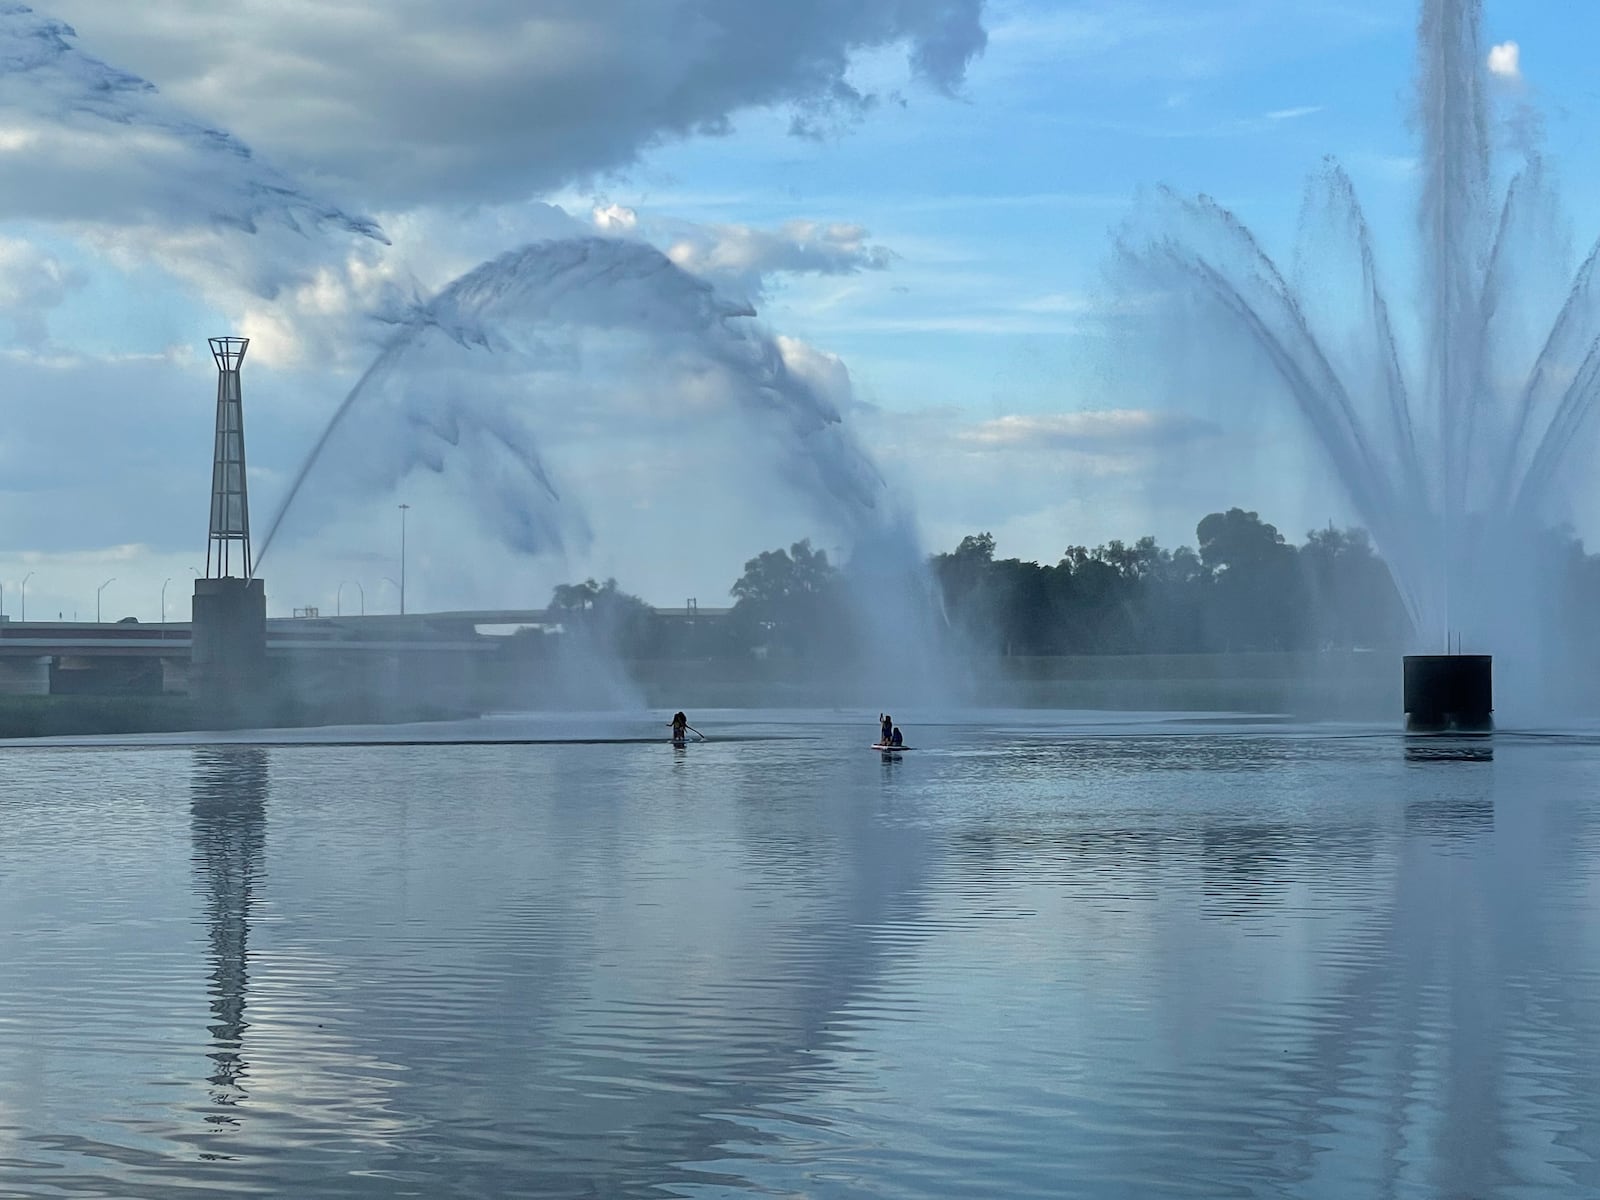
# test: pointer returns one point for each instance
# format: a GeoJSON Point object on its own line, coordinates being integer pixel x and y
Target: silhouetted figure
{"type": "Point", "coordinates": [895, 739]}
{"type": "Point", "coordinates": [887, 724]}
{"type": "Point", "coordinates": [680, 727]}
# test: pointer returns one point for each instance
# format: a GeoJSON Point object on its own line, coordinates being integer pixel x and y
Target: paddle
{"type": "Point", "coordinates": [694, 731]}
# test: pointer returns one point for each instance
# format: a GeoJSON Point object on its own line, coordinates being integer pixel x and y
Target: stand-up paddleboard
{"type": "Point", "coordinates": [890, 748]}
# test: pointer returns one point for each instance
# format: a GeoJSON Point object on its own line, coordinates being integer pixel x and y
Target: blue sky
{"type": "Point", "coordinates": [921, 198]}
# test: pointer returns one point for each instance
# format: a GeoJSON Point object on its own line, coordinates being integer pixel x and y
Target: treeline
{"type": "Point", "coordinates": [1242, 587]}
{"type": "Point", "coordinates": [788, 603]}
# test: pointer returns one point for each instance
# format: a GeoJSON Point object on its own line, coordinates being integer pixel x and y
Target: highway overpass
{"type": "Point", "coordinates": [39, 657]}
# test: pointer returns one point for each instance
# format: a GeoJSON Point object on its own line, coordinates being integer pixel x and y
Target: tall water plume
{"type": "Point", "coordinates": [1453, 432]}
{"type": "Point", "coordinates": [563, 383]}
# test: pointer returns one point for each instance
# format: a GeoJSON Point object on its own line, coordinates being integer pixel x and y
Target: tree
{"type": "Point", "coordinates": [966, 584]}
{"type": "Point", "coordinates": [790, 600]}
{"type": "Point", "coordinates": [1245, 588]}
{"type": "Point", "coordinates": [1238, 540]}
{"type": "Point", "coordinates": [1258, 599]}
{"type": "Point", "coordinates": [1354, 601]}
{"type": "Point", "coordinates": [603, 613]}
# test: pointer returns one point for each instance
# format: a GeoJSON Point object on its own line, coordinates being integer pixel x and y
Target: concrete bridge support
{"type": "Point", "coordinates": [228, 675]}
{"type": "Point", "coordinates": [174, 676]}
{"type": "Point", "coordinates": [24, 676]}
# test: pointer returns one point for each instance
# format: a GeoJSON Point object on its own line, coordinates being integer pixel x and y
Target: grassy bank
{"type": "Point", "coordinates": [1350, 686]}
{"type": "Point", "coordinates": [80, 716]}
{"type": "Point", "coordinates": [86, 716]}
{"type": "Point", "coordinates": [1353, 686]}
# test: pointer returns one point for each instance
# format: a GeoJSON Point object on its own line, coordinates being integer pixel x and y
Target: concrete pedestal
{"type": "Point", "coordinates": [1449, 693]}
{"type": "Point", "coordinates": [228, 656]}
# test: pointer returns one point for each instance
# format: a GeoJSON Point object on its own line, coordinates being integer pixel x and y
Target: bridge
{"type": "Point", "coordinates": [43, 657]}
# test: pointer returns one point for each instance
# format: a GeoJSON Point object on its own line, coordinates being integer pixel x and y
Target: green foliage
{"type": "Point", "coordinates": [791, 602]}
{"type": "Point", "coordinates": [1245, 588]}
{"type": "Point", "coordinates": [604, 614]}
{"type": "Point", "coordinates": [60, 716]}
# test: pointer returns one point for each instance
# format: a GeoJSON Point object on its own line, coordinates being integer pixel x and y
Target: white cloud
{"type": "Point", "coordinates": [32, 283]}
{"type": "Point", "coordinates": [1505, 60]}
{"type": "Point", "coordinates": [319, 310]}
{"type": "Point", "coordinates": [615, 218]}
{"type": "Point", "coordinates": [740, 259]}
{"type": "Point", "coordinates": [404, 102]}
{"type": "Point", "coordinates": [1042, 481]}
{"type": "Point", "coordinates": [1101, 430]}
{"type": "Point", "coordinates": [1294, 114]}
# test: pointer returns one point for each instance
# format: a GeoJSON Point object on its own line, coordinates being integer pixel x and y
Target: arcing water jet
{"type": "Point", "coordinates": [1455, 446]}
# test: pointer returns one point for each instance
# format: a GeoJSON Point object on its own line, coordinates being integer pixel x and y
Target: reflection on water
{"type": "Point", "coordinates": [1424, 748]}
{"type": "Point", "coordinates": [1056, 962]}
{"type": "Point", "coordinates": [229, 817]}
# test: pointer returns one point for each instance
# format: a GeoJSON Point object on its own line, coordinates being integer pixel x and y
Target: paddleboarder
{"type": "Point", "coordinates": [886, 723]}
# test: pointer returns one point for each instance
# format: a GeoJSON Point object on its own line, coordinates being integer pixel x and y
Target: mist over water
{"type": "Point", "coordinates": [1454, 433]}
{"type": "Point", "coordinates": [580, 333]}
{"type": "Point", "coordinates": [585, 373]}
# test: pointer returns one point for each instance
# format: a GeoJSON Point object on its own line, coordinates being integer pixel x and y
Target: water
{"type": "Point", "coordinates": [588, 339]}
{"type": "Point", "coordinates": [1040, 955]}
{"type": "Point", "coordinates": [1457, 434]}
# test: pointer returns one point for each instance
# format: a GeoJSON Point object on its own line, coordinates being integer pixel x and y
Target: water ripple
{"type": "Point", "coordinates": [1079, 961]}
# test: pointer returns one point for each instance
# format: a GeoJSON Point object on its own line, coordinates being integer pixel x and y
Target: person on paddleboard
{"type": "Point", "coordinates": [895, 739]}
{"type": "Point", "coordinates": [886, 722]}
{"type": "Point", "coordinates": [680, 727]}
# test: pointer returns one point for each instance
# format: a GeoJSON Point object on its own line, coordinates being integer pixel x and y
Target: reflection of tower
{"type": "Point", "coordinates": [229, 632]}
{"type": "Point", "coordinates": [229, 831]}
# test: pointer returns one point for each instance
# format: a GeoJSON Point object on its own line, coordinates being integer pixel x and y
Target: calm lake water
{"type": "Point", "coordinates": [1120, 957]}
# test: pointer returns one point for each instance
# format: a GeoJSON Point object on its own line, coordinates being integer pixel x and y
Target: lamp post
{"type": "Point", "coordinates": [338, 600]}
{"type": "Point", "coordinates": [97, 592]}
{"type": "Point", "coordinates": [404, 508]}
{"type": "Point", "coordinates": [25, 579]}
{"type": "Point", "coordinates": [164, 583]}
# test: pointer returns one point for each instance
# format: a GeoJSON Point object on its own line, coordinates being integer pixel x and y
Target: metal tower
{"type": "Point", "coordinates": [230, 500]}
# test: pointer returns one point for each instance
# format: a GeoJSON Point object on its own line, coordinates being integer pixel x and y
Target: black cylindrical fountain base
{"type": "Point", "coordinates": [1449, 693]}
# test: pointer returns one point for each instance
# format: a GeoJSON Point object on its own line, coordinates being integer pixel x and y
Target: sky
{"type": "Point", "coordinates": [641, 288]}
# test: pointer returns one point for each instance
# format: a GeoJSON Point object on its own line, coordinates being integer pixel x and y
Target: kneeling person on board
{"type": "Point", "coordinates": [895, 739]}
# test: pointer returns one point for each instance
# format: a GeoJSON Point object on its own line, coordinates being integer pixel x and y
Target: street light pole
{"type": "Point", "coordinates": [338, 600]}
{"type": "Point", "coordinates": [97, 592]}
{"type": "Point", "coordinates": [164, 583]}
{"type": "Point", "coordinates": [25, 579]}
{"type": "Point", "coordinates": [404, 508]}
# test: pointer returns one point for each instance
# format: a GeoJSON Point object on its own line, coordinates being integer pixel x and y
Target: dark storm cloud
{"type": "Point", "coordinates": [83, 140]}
{"type": "Point", "coordinates": [407, 101]}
